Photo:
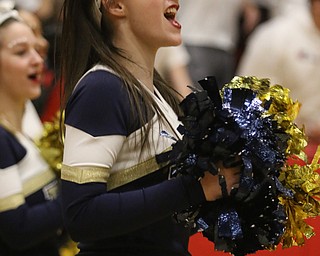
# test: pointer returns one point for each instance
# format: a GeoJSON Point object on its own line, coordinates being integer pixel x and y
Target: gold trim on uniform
{"type": "Point", "coordinates": [123, 177]}
{"type": "Point", "coordinates": [84, 174]}
{"type": "Point", "coordinates": [38, 182]}
{"type": "Point", "coordinates": [11, 202]}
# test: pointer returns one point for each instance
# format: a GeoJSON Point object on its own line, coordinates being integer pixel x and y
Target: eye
{"type": "Point", "coordinates": [21, 52]}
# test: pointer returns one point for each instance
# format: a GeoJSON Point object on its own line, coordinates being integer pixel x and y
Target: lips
{"type": "Point", "coordinates": [170, 15]}
{"type": "Point", "coordinates": [35, 77]}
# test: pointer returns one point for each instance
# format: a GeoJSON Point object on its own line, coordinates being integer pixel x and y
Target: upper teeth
{"type": "Point", "coordinates": [171, 10]}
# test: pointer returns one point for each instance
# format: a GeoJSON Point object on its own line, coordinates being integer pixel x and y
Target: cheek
{"type": "Point", "coordinates": [7, 72]}
{"type": "Point", "coordinates": [12, 66]}
{"type": "Point", "coordinates": [14, 76]}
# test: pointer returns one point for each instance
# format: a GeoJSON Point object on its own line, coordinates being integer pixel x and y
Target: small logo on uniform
{"type": "Point", "coordinates": [50, 191]}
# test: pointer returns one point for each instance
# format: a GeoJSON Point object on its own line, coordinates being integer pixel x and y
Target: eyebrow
{"type": "Point", "coordinates": [18, 41]}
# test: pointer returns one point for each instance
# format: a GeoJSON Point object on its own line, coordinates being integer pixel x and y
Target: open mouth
{"type": "Point", "coordinates": [35, 77]}
{"type": "Point", "coordinates": [170, 13]}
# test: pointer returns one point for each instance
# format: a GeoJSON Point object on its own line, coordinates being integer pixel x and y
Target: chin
{"type": "Point", "coordinates": [177, 43]}
{"type": "Point", "coordinates": [174, 42]}
{"type": "Point", "coordinates": [35, 95]}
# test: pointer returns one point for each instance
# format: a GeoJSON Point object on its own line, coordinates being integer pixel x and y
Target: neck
{"type": "Point", "coordinates": [140, 60]}
{"type": "Point", "coordinates": [140, 70]}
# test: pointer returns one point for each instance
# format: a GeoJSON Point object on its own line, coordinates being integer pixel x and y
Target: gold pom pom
{"type": "Point", "coordinates": [51, 143]}
{"type": "Point", "coordinates": [302, 180]}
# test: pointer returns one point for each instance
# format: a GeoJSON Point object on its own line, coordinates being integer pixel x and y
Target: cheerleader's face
{"type": "Point", "coordinates": [150, 23]}
{"type": "Point", "coordinates": [20, 64]}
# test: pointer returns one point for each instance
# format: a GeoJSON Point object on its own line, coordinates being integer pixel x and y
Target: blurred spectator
{"type": "Point", "coordinates": [42, 8]}
{"type": "Point", "coordinates": [171, 63]}
{"type": "Point", "coordinates": [267, 9]}
{"type": "Point", "coordinates": [30, 5]}
{"type": "Point", "coordinates": [210, 32]}
{"type": "Point", "coordinates": [282, 7]}
{"type": "Point", "coordinates": [286, 49]}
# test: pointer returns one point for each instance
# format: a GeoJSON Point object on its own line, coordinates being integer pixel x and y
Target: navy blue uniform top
{"type": "Point", "coordinates": [30, 214]}
{"type": "Point", "coordinates": [134, 218]}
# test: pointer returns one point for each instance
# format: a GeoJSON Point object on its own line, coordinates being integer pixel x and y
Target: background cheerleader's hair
{"type": "Point", "coordinates": [98, 4]}
{"type": "Point", "coordinates": [7, 12]}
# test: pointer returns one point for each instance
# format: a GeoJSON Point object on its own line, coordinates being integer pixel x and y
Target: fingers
{"type": "Point", "coordinates": [223, 184]}
{"type": "Point", "coordinates": [229, 187]}
{"type": "Point", "coordinates": [210, 185]}
{"type": "Point", "coordinates": [229, 179]}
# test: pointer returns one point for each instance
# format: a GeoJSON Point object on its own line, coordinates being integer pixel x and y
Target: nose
{"type": "Point", "coordinates": [36, 58]}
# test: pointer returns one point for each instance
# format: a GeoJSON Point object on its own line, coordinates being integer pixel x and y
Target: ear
{"type": "Point", "coordinates": [114, 7]}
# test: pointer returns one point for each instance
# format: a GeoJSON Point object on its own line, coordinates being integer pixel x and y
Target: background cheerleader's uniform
{"type": "Point", "coordinates": [116, 198]}
{"type": "Point", "coordinates": [30, 215]}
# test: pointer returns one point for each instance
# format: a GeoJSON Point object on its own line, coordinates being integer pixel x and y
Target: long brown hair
{"type": "Point", "coordinates": [86, 41]}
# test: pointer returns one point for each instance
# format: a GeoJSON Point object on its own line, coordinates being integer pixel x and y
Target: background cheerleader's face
{"type": "Point", "coordinates": [20, 63]}
{"type": "Point", "coordinates": [34, 22]}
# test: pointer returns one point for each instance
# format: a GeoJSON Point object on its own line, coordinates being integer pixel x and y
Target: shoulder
{"type": "Point", "coordinates": [269, 36]}
{"type": "Point", "coordinates": [100, 99]}
{"type": "Point", "coordinates": [100, 81]}
{"type": "Point", "coordinates": [11, 151]}
{"type": "Point", "coordinates": [277, 26]}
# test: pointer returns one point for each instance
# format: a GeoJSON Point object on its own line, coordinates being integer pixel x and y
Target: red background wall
{"type": "Point", "coordinates": [201, 246]}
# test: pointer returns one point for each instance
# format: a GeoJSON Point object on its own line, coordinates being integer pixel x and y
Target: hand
{"type": "Point", "coordinates": [210, 183]}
